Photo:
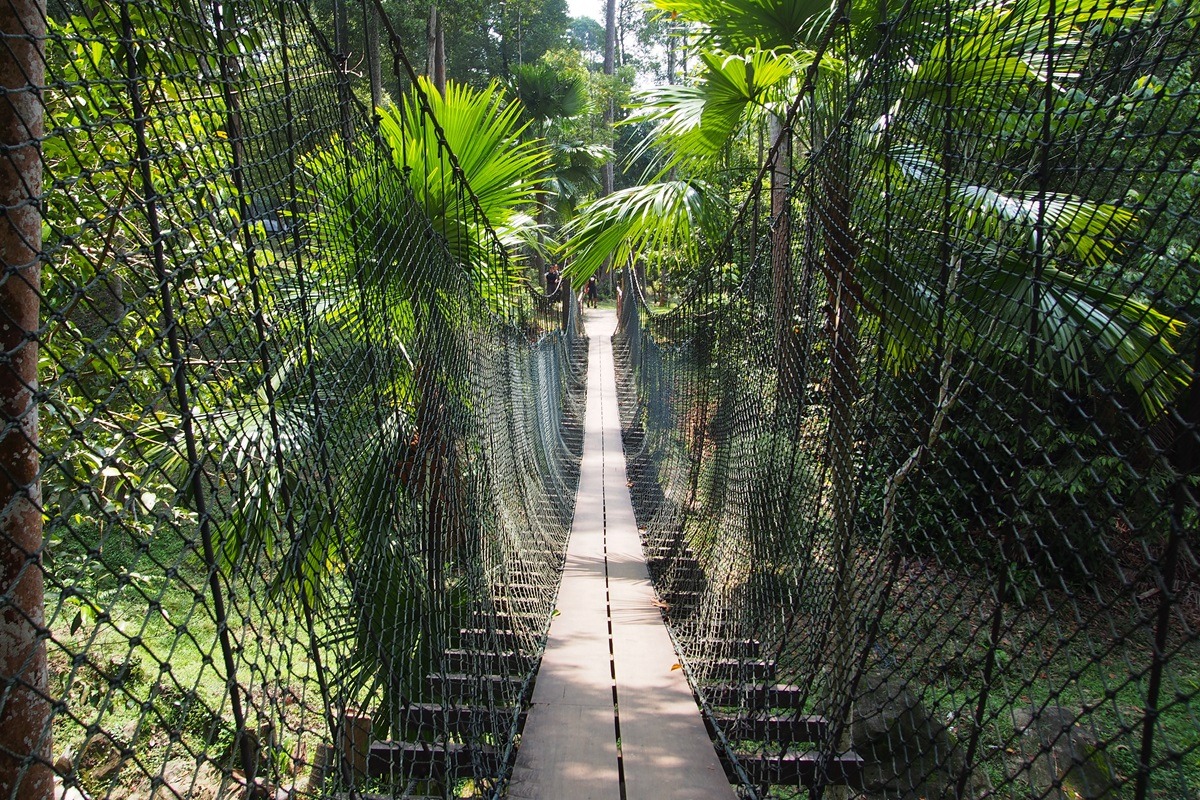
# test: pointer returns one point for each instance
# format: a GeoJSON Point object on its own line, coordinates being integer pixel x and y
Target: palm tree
{"type": "Point", "coordinates": [399, 252]}
{"type": "Point", "coordinates": [547, 98]}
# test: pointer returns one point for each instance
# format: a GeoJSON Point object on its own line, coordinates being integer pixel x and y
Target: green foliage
{"type": "Point", "coordinates": [1048, 501]}
{"type": "Point", "coordinates": [737, 25]}
{"type": "Point", "coordinates": [484, 135]}
{"type": "Point", "coordinates": [546, 94]}
{"type": "Point", "coordinates": [483, 41]}
{"type": "Point", "coordinates": [678, 215]}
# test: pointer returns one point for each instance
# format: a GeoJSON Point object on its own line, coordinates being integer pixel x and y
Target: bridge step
{"type": "Point", "coordinates": [521, 620]}
{"type": "Point", "coordinates": [725, 648]}
{"type": "Point", "coordinates": [458, 684]}
{"type": "Point", "coordinates": [459, 719]}
{"type": "Point", "coordinates": [521, 588]}
{"type": "Point", "coordinates": [781, 730]}
{"type": "Point", "coordinates": [661, 563]}
{"type": "Point", "coordinates": [489, 638]}
{"type": "Point", "coordinates": [666, 549]}
{"type": "Point", "coordinates": [681, 597]}
{"type": "Point", "coordinates": [517, 604]}
{"type": "Point", "coordinates": [751, 696]}
{"type": "Point", "coordinates": [427, 761]}
{"type": "Point", "coordinates": [502, 662]}
{"type": "Point", "coordinates": [801, 769]}
{"type": "Point", "coordinates": [733, 669]}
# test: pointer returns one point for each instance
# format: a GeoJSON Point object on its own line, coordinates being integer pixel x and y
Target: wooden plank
{"type": "Point", "coordinates": [568, 747]}
{"type": "Point", "coordinates": [502, 638]}
{"type": "Point", "coordinates": [802, 769]}
{"type": "Point", "coordinates": [428, 761]}
{"type": "Point", "coordinates": [459, 685]}
{"type": "Point", "coordinates": [735, 669]}
{"type": "Point", "coordinates": [459, 719]}
{"type": "Point", "coordinates": [567, 751]}
{"type": "Point", "coordinates": [687, 564]}
{"type": "Point", "coordinates": [680, 597]}
{"type": "Point", "coordinates": [666, 750]}
{"type": "Point", "coordinates": [726, 648]}
{"type": "Point", "coordinates": [526, 623]}
{"type": "Point", "coordinates": [501, 662]}
{"type": "Point", "coordinates": [772, 728]}
{"type": "Point", "coordinates": [752, 696]}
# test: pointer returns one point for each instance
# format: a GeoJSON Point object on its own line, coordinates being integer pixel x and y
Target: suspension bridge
{"type": "Point", "coordinates": [310, 489]}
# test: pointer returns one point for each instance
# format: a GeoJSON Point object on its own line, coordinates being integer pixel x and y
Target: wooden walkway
{"type": "Point", "coordinates": [610, 718]}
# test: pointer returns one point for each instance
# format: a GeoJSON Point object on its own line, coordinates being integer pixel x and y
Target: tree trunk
{"type": "Point", "coordinates": [431, 43]}
{"type": "Point", "coordinates": [371, 33]}
{"type": "Point", "coordinates": [435, 40]}
{"type": "Point", "coordinates": [24, 705]}
{"type": "Point", "coordinates": [542, 214]}
{"type": "Point", "coordinates": [610, 69]}
{"type": "Point", "coordinates": [607, 175]}
{"type": "Point", "coordinates": [844, 296]}
{"type": "Point", "coordinates": [502, 41]}
{"type": "Point", "coordinates": [439, 72]}
{"type": "Point", "coordinates": [789, 358]}
{"type": "Point", "coordinates": [341, 46]}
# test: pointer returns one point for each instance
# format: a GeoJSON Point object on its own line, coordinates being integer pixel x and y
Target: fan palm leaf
{"type": "Point", "coordinates": [677, 215]}
{"type": "Point", "coordinates": [502, 170]}
{"type": "Point", "coordinates": [547, 94]}
{"type": "Point", "coordinates": [736, 25]}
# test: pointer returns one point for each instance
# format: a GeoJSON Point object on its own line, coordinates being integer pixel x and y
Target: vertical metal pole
{"type": "Point", "coordinates": [24, 705]}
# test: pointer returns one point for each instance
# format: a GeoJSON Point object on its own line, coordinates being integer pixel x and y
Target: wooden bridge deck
{"type": "Point", "coordinates": [606, 678]}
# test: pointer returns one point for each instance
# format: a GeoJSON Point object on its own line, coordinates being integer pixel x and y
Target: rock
{"type": "Point", "coordinates": [100, 759]}
{"type": "Point", "coordinates": [184, 778]}
{"type": "Point", "coordinates": [1063, 757]}
{"type": "Point", "coordinates": [63, 792]}
{"type": "Point", "coordinates": [908, 752]}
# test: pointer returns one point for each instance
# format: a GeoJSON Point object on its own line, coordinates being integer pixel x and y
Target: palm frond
{"type": "Point", "coordinates": [735, 25]}
{"type": "Point", "coordinates": [1080, 322]}
{"type": "Point", "coordinates": [502, 170]}
{"type": "Point", "coordinates": [677, 215]}
{"type": "Point", "coordinates": [1079, 230]}
{"type": "Point", "coordinates": [547, 94]}
{"type": "Point", "coordinates": [696, 122]}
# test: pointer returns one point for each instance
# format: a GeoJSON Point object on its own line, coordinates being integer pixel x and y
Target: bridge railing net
{"type": "Point", "coordinates": [915, 457]}
{"type": "Point", "coordinates": [308, 439]}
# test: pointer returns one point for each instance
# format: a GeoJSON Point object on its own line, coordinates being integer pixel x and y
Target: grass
{"type": "Point", "coordinates": [1093, 663]}
{"type": "Point", "coordinates": [135, 658]}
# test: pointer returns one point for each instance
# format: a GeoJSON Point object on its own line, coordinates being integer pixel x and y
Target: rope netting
{"type": "Point", "coordinates": [308, 440]}
{"type": "Point", "coordinates": [914, 456]}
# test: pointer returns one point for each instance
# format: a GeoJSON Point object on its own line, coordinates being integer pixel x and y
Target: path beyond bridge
{"type": "Point", "coordinates": [612, 714]}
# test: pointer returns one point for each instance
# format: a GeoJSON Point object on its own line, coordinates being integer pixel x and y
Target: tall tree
{"type": "Point", "coordinates": [371, 43]}
{"type": "Point", "coordinates": [435, 44]}
{"type": "Point", "coordinates": [546, 97]}
{"type": "Point", "coordinates": [24, 706]}
{"type": "Point", "coordinates": [610, 70]}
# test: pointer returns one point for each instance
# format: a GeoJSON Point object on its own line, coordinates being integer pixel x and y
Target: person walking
{"type": "Point", "coordinates": [553, 278]}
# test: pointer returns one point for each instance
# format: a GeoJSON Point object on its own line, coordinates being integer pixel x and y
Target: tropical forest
{"type": "Point", "coordinates": [669, 399]}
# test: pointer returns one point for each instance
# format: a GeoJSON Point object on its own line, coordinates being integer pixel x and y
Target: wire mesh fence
{"type": "Point", "coordinates": [915, 453]}
{"type": "Point", "coordinates": [290, 446]}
